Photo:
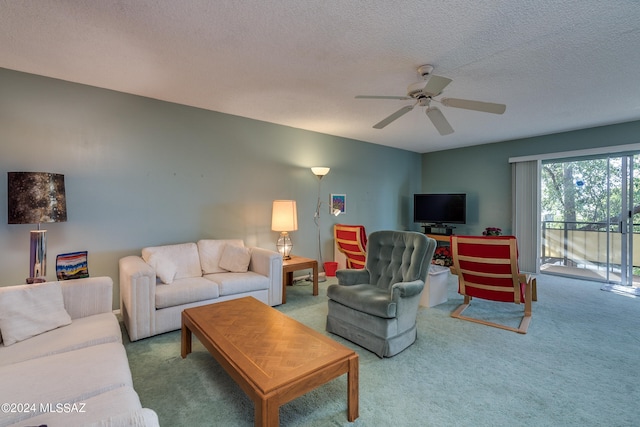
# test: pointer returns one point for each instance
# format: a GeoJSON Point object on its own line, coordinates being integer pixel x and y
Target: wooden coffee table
{"type": "Point", "coordinates": [272, 357]}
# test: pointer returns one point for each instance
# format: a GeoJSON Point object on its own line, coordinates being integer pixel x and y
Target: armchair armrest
{"type": "Point", "coordinates": [268, 263]}
{"type": "Point", "coordinates": [406, 289]}
{"type": "Point", "coordinates": [351, 277]}
{"type": "Point", "coordinates": [137, 297]}
{"type": "Point", "coordinates": [89, 296]}
{"type": "Point", "coordinates": [529, 280]}
{"type": "Point", "coordinates": [406, 295]}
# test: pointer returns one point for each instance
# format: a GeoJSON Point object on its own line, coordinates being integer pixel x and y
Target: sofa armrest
{"type": "Point", "coordinates": [268, 263]}
{"type": "Point", "coordinates": [137, 297]}
{"type": "Point", "coordinates": [89, 296]}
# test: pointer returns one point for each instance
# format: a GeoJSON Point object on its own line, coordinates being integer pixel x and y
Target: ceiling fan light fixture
{"type": "Point", "coordinates": [415, 89]}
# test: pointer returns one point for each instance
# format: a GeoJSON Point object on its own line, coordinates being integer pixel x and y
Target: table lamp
{"type": "Point", "coordinates": [34, 198]}
{"type": "Point", "coordinates": [284, 218]}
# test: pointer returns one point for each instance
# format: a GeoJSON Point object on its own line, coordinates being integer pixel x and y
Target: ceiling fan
{"type": "Point", "coordinates": [424, 94]}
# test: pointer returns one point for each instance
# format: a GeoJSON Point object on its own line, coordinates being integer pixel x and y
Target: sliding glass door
{"type": "Point", "coordinates": [589, 210]}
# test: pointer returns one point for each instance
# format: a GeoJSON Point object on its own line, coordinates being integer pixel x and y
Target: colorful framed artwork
{"type": "Point", "coordinates": [339, 201]}
{"type": "Point", "coordinates": [72, 266]}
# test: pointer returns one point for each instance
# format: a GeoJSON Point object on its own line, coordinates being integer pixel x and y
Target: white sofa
{"type": "Point", "coordinates": [74, 371]}
{"type": "Point", "coordinates": [157, 286]}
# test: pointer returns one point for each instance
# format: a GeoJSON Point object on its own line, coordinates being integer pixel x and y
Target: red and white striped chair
{"type": "Point", "coordinates": [487, 268]}
{"type": "Point", "coordinates": [351, 240]}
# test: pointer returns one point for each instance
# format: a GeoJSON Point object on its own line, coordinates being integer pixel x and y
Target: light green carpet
{"type": "Point", "coordinates": [577, 366]}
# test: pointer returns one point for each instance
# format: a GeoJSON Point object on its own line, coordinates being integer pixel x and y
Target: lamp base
{"type": "Point", "coordinates": [32, 280]}
{"type": "Point", "coordinates": [284, 245]}
{"type": "Point", "coordinates": [38, 256]}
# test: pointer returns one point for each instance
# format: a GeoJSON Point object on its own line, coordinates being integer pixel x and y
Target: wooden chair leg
{"type": "Point", "coordinates": [458, 311]}
{"type": "Point", "coordinates": [534, 289]}
{"type": "Point", "coordinates": [521, 329]}
{"type": "Point", "coordinates": [528, 297]}
{"type": "Point", "coordinates": [524, 324]}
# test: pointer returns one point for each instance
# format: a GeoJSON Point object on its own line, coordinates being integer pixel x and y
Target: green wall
{"type": "Point", "coordinates": [484, 172]}
{"type": "Point", "coordinates": [141, 172]}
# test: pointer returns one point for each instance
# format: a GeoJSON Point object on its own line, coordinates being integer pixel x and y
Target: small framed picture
{"type": "Point", "coordinates": [72, 266]}
{"type": "Point", "coordinates": [339, 201]}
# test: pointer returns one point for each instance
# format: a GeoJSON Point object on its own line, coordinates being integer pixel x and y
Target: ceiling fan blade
{"type": "Point", "coordinates": [437, 118]}
{"type": "Point", "coordinates": [401, 112]}
{"type": "Point", "coordinates": [435, 85]}
{"type": "Point", "coordinates": [467, 104]}
{"type": "Point", "coordinates": [381, 97]}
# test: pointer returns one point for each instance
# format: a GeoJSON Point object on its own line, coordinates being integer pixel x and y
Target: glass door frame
{"type": "Point", "coordinates": [624, 227]}
{"type": "Point", "coordinates": [626, 220]}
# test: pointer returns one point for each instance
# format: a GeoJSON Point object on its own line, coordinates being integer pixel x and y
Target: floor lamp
{"type": "Point", "coordinates": [35, 198]}
{"type": "Point", "coordinates": [320, 172]}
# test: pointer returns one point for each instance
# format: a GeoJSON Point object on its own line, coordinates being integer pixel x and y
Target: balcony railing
{"type": "Point", "coordinates": [580, 244]}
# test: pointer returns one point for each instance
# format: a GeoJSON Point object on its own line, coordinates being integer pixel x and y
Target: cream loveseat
{"type": "Point", "coordinates": [62, 361]}
{"type": "Point", "coordinates": [156, 287]}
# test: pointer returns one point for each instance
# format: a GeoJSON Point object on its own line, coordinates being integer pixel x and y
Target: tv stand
{"type": "Point", "coordinates": [439, 229]}
{"type": "Point", "coordinates": [439, 237]}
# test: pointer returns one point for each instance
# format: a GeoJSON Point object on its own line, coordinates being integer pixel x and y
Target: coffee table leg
{"type": "Point", "coordinates": [353, 390]}
{"type": "Point", "coordinates": [186, 341]}
{"type": "Point", "coordinates": [267, 413]}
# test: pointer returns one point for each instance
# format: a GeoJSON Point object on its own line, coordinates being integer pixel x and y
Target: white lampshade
{"type": "Point", "coordinates": [320, 171]}
{"type": "Point", "coordinates": [284, 216]}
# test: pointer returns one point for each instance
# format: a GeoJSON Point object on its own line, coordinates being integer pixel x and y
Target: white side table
{"type": "Point", "coordinates": [435, 288]}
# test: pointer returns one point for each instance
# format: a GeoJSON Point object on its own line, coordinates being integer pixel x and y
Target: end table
{"type": "Point", "coordinates": [294, 264]}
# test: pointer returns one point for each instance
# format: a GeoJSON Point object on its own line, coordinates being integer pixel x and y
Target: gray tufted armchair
{"type": "Point", "coordinates": [377, 307]}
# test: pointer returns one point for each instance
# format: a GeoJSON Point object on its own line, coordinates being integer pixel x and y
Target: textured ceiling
{"type": "Point", "coordinates": [558, 64]}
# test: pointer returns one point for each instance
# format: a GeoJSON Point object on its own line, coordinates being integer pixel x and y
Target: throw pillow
{"type": "Point", "coordinates": [235, 258]}
{"type": "Point", "coordinates": [210, 251]}
{"type": "Point", "coordinates": [30, 310]}
{"type": "Point", "coordinates": [165, 269]}
{"type": "Point", "coordinates": [183, 255]}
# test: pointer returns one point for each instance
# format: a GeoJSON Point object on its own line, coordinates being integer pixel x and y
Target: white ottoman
{"type": "Point", "coordinates": [435, 289]}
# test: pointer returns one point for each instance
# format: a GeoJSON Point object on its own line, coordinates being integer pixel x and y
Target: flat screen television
{"type": "Point", "coordinates": [440, 209]}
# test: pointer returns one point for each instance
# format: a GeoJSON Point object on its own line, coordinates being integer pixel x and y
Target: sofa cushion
{"type": "Point", "coordinates": [140, 417]}
{"type": "Point", "coordinates": [235, 258]}
{"type": "Point", "coordinates": [82, 332]}
{"type": "Point", "coordinates": [88, 296]}
{"type": "Point", "coordinates": [165, 268]}
{"type": "Point", "coordinates": [237, 283]}
{"type": "Point", "coordinates": [184, 256]}
{"type": "Point", "coordinates": [72, 376]}
{"type": "Point", "coordinates": [29, 310]}
{"type": "Point", "coordinates": [98, 411]}
{"type": "Point", "coordinates": [185, 291]}
{"type": "Point", "coordinates": [211, 250]}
